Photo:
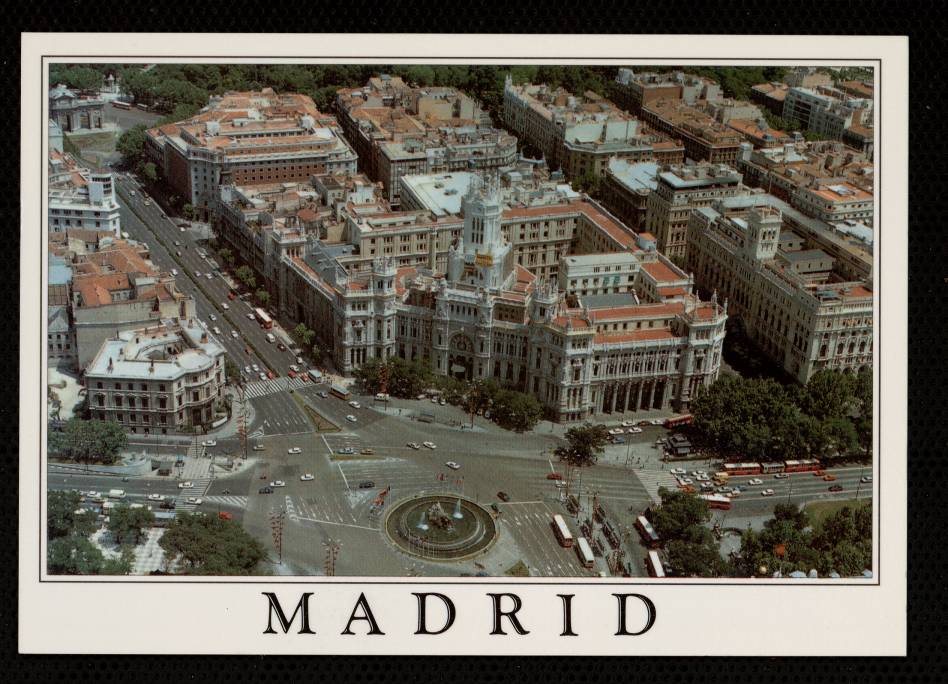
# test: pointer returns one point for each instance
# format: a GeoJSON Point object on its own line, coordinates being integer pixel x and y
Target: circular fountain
{"type": "Point", "coordinates": [440, 526]}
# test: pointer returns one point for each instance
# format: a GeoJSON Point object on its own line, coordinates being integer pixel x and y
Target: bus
{"type": "Point", "coordinates": [119, 104]}
{"type": "Point", "coordinates": [686, 419]}
{"type": "Point", "coordinates": [647, 532]}
{"type": "Point", "coordinates": [563, 535]}
{"type": "Point", "coordinates": [339, 391]}
{"type": "Point", "coordinates": [265, 321]}
{"type": "Point", "coordinates": [142, 106]}
{"type": "Point", "coordinates": [716, 501]}
{"type": "Point", "coordinates": [771, 467]}
{"type": "Point", "coordinates": [585, 553]}
{"type": "Point", "coordinates": [742, 468]}
{"type": "Point", "coordinates": [654, 564]}
{"type": "Point", "coordinates": [802, 466]}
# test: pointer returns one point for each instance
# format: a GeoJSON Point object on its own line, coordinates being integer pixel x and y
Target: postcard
{"type": "Point", "coordinates": [350, 344]}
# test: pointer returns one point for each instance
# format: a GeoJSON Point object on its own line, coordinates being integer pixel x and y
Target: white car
{"type": "Point", "coordinates": [351, 418]}
{"type": "Point", "coordinates": [766, 492]}
{"type": "Point", "coordinates": [865, 478]}
{"type": "Point", "coordinates": [430, 445]}
{"type": "Point", "coordinates": [251, 316]}
{"type": "Point", "coordinates": [259, 447]}
{"type": "Point", "coordinates": [634, 430]}
{"type": "Point", "coordinates": [213, 317]}
{"type": "Point", "coordinates": [247, 370]}
{"type": "Point", "coordinates": [278, 483]}
{"type": "Point", "coordinates": [781, 476]}
{"type": "Point", "coordinates": [616, 431]}
{"type": "Point", "coordinates": [452, 465]}
{"type": "Point", "coordinates": [434, 400]}
{"type": "Point", "coordinates": [355, 404]}
{"type": "Point", "coordinates": [256, 368]}
{"type": "Point", "coordinates": [209, 276]}
{"type": "Point", "coordinates": [195, 500]}
{"type": "Point", "coordinates": [225, 306]}
{"type": "Point", "coordinates": [414, 445]}
{"type": "Point", "coordinates": [294, 368]}
{"type": "Point", "coordinates": [442, 402]}
{"type": "Point", "coordinates": [182, 228]}
{"type": "Point", "coordinates": [197, 274]}
{"type": "Point", "coordinates": [209, 443]}
{"type": "Point", "coordinates": [299, 360]}
{"type": "Point", "coordinates": [677, 471]}
{"type": "Point", "coordinates": [262, 376]}
{"type": "Point", "coordinates": [307, 477]}
{"type": "Point", "coordinates": [185, 485]}
{"type": "Point", "coordinates": [234, 334]}
{"type": "Point", "coordinates": [174, 272]}
{"type": "Point", "coordinates": [294, 450]}
{"type": "Point", "coordinates": [686, 480]}
{"type": "Point", "coordinates": [217, 331]}
{"type": "Point", "coordinates": [755, 481]}
{"type": "Point", "coordinates": [155, 497]}
{"type": "Point", "coordinates": [628, 423]}
{"type": "Point", "coordinates": [702, 478]}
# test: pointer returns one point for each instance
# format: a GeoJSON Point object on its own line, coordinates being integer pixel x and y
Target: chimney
{"type": "Point", "coordinates": [110, 364]}
{"type": "Point", "coordinates": [151, 367]}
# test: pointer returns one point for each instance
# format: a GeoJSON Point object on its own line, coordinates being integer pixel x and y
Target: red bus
{"type": "Point", "coordinates": [265, 321]}
{"type": "Point", "coordinates": [119, 104]}
{"type": "Point", "coordinates": [716, 501]}
{"type": "Point", "coordinates": [802, 466]}
{"type": "Point", "coordinates": [647, 532]}
{"type": "Point", "coordinates": [563, 535]}
{"type": "Point", "coordinates": [687, 419]}
{"type": "Point", "coordinates": [742, 468]}
{"type": "Point", "coordinates": [654, 565]}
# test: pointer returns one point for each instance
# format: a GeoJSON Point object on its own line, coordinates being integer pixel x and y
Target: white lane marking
{"type": "Point", "coordinates": [342, 472]}
{"type": "Point", "coordinates": [340, 524]}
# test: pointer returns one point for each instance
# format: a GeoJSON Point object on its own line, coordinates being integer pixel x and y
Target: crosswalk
{"type": "Point", "coordinates": [653, 479]}
{"type": "Point", "coordinates": [198, 486]}
{"type": "Point", "coordinates": [234, 501]}
{"type": "Point", "coordinates": [263, 388]}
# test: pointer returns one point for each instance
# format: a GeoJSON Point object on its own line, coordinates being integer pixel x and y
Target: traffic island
{"type": "Point", "coordinates": [440, 527]}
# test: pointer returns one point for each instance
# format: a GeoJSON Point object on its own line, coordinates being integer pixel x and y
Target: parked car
{"type": "Point", "coordinates": [167, 504]}
{"type": "Point", "coordinates": [345, 450]}
{"type": "Point", "coordinates": [503, 496]}
{"type": "Point", "coordinates": [414, 445]}
{"type": "Point", "coordinates": [278, 483]}
{"type": "Point", "coordinates": [352, 419]}
{"type": "Point", "coordinates": [217, 331]}
{"type": "Point", "coordinates": [452, 465]}
{"type": "Point", "coordinates": [430, 445]}
{"type": "Point", "coordinates": [554, 476]}
{"type": "Point", "coordinates": [234, 334]}
{"type": "Point", "coordinates": [307, 477]}
{"type": "Point", "coordinates": [294, 450]}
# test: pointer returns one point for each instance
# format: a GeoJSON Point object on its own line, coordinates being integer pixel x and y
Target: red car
{"type": "Point", "coordinates": [554, 476]}
{"type": "Point", "coordinates": [231, 295]}
{"type": "Point", "coordinates": [224, 515]}
{"type": "Point", "coordinates": [291, 374]}
{"type": "Point", "coordinates": [829, 478]}
{"type": "Point", "coordinates": [819, 473]}
{"type": "Point", "coordinates": [270, 375]}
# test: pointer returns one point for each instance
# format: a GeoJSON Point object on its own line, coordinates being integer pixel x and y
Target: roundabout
{"type": "Point", "coordinates": [440, 527]}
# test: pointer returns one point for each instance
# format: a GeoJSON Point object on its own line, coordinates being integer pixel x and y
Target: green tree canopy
{"type": "Point", "coordinates": [515, 410]}
{"type": "Point", "coordinates": [62, 518]}
{"type": "Point", "coordinates": [584, 443]}
{"type": "Point", "coordinates": [126, 523]}
{"type": "Point", "coordinates": [131, 145]}
{"type": "Point", "coordinates": [678, 513]}
{"type": "Point", "coordinates": [207, 545]}
{"type": "Point", "coordinates": [89, 441]}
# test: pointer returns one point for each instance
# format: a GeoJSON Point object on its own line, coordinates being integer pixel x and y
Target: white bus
{"type": "Point", "coordinates": [585, 553]}
{"type": "Point", "coordinates": [647, 532]}
{"type": "Point", "coordinates": [563, 535]}
{"type": "Point", "coordinates": [654, 563]}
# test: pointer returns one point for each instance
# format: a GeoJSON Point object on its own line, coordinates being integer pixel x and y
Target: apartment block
{"type": "Point", "coordinates": [704, 137]}
{"type": "Point", "coordinates": [80, 198]}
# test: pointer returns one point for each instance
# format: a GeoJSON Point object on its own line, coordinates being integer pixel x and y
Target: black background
{"type": "Point", "coordinates": [923, 22]}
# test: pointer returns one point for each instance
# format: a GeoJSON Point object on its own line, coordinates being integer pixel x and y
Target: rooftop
{"type": "Point", "coordinates": [639, 177]}
{"type": "Point", "coordinates": [163, 352]}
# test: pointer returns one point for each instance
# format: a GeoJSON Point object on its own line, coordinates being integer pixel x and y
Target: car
{"type": "Point", "coordinates": [430, 445]}
{"type": "Point", "coordinates": [618, 440]}
{"type": "Point", "coordinates": [195, 500]}
{"type": "Point", "coordinates": [250, 316]}
{"type": "Point", "coordinates": [685, 480]}
{"type": "Point", "coordinates": [147, 202]}
{"type": "Point", "coordinates": [414, 445]}
{"type": "Point", "coordinates": [677, 471]}
{"type": "Point", "coordinates": [781, 476]}
{"type": "Point", "coordinates": [324, 394]}
{"type": "Point", "coordinates": [689, 489]}
{"type": "Point", "coordinates": [291, 373]}
{"type": "Point", "coordinates": [307, 477]}
{"type": "Point", "coordinates": [628, 423]}
{"type": "Point", "coordinates": [197, 274]}
{"type": "Point", "coordinates": [174, 272]}
{"type": "Point", "coordinates": [265, 490]}
{"type": "Point", "coordinates": [367, 451]}
{"type": "Point", "coordinates": [634, 430]}
{"type": "Point", "coordinates": [494, 507]}
{"type": "Point", "coordinates": [209, 276]}
{"type": "Point", "coordinates": [452, 465]}
{"type": "Point", "coordinates": [819, 473]}
{"type": "Point", "coordinates": [177, 244]}
{"type": "Point", "coordinates": [294, 450]}
{"type": "Point", "coordinates": [271, 375]}
{"type": "Point", "coordinates": [234, 334]}
{"type": "Point", "coordinates": [503, 496]}
{"type": "Point", "coordinates": [294, 368]}
{"type": "Point", "coordinates": [212, 317]}
{"type": "Point", "coordinates": [278, 483]}
{"type": "Point", "coordinates": [703, 478]}
{"type": "Point", "coordinates": [178, 253]}
{"type": "Point", "coordinates": [865, 478]}
{"type": "Point", "coordinates": [281, 346]}
{"type": "Point", "coordinates": [616, 431]}
{"type": "Point", "coordinates": [155, 497]}
{"type": "Point", "coordinates": [706, 486]}
{"type": "Point", "coordinates": [247, 370]}
{"type": "Point", "coordinates": [554, 476]}
{"type": "Point", "coordinates": [766, 492]}
{"type": "Point", "coordinates": [131, 192]}
{"type": "Point", "coordinates": [209, 443]}
{"type": "Point", "coordinates": [755, 481]}
{"type": "Point", "coordinates": [217, 331]}
{"type": "Point", "coordinates": [420, 397]}
{"type": "Point", "coordinates": [299, 360]}
{"type": "Point", "coordinates": [181, 228]}
{"type": "Point", "coordinates": [366, 484]}
{"type": "Point", "coordinates": [355, 404]}
{"type": "Point", "coordinates": [352, 419]}
{"type": "Point", "coordinates": [224, 515]}
{"type": "Point", "coordinates": [185, 485]}
{"type": "Point", "coordinates": [167, 504]}
{"type": "Point", "coordinates": [694, 473]}
{"type": "Point", "coordinates": [225, 306]}
{"type": "Point", "coordinates": [345, 450]}
{"type": "Point", "coordinates": [262, 376]}
{"type": "Point", "coordinates": [434, 400]}
{"type": "Point", "coordinates": [829, 478]}
{"type": "Point", "coordinates": [836, 488]}
{"type": "Point", "coordinates": [259, 447]}
{"type": "Point", "coordinates": [656, 421]}
{"type": "Point", "coordinates": [256, 368]}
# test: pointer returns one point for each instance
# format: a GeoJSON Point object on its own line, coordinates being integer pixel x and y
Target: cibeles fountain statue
{"type": "Point", "coordinates": [440, 519]}
{"type": "Point", "coordinates": [440, 526]}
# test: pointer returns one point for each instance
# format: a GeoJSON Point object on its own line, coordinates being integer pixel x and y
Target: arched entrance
{"type": "Point", "coordinates": [461, 357]}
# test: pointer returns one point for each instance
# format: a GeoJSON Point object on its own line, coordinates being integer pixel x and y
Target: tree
{"type": "Point", "coordinates": [263, 297]}
{"type": "Point", "coordinates": [62, 518]}
{"type": "Point", "coordinates": [245, 275]}
{"type": "Point", "coordinates": [588, 182]}
{"type": "Point", "coordinates": [678, 513]}
{"type": "Point", "coordinates": [231, 370]}
{"type": "Point", "coordinates": [188, 211]}
{"type": "Point", "coordinates": [89, 441]}
{"type": "Point", "coordinates": [696, 555]}
{"type": "Point", "coordinates": [126, 523]}
{"type": "Point", "coordinates": [207, 545]}
{"type": "Point", "coordinates": [828, 394]}
{"type": "Point", "coordinates": [150, 172]}
{"type": "Point", "coordinates": [584, 444]}
{"type": "Point", "coordinates": [226, 255]}
{"type": "Point", "coordinates": [516, 410]}
{"type": "Point", "coordinates": [131, 145]}
{"type": "Point", "coordinates": [75, 555]}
